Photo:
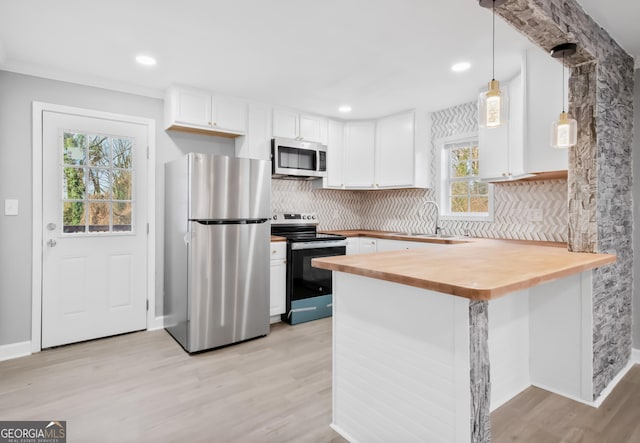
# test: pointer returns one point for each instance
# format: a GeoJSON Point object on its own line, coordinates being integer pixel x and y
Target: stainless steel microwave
{"type": "Point", "coordinates": [296, 159]}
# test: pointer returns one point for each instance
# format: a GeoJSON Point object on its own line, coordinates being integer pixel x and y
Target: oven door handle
{"type": "Point", "coordinates": [296, 246]}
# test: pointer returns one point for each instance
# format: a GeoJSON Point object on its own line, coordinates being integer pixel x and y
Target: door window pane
{"type": "Point", "coordinates": [73, 183]}
{"type": "Point", "coordinates": [99, 150]}
{"type": "Point", "coordinates": [121, 185]}
{"type": "Point", "coordinates": [122, 152]}
{"type": "Point", "coordinates": [73, 217]}
{"type": "Point", "coordinates": [99, 217]}
{"type": "Point", "coordinates": [74, 148]}
{"type": "Point", "coordinates": [122, 217]}
{"type": "Point", "coordinates": [98, 186]}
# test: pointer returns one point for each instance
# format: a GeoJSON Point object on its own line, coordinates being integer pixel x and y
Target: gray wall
{"type": "Point", "coordinates": [636, 210]}
{"type": "Point", "coordinates": [17, 92]}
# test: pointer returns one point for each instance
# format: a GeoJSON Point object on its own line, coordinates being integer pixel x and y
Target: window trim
{"type": "Point", "coordinates": [443, 181]}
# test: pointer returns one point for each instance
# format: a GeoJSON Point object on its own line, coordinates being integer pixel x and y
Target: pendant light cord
{"type": "Point", "coordinates": [563, 108]}
{"type": "Point", "coordinates": [493, 40]}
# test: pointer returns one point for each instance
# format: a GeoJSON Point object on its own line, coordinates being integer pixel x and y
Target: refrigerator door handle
{"type": "Point", "coordinates": [233, 222]}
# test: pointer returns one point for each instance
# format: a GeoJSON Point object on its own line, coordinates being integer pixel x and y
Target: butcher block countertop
{"type": "Point", "coordinates": [478, 269]}
{"type": "Point", "coordinates": [276, 238]}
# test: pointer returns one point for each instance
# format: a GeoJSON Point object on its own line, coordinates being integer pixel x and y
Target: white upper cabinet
{"type": "Point", "coordinates": [200, 111]}
{"type": "Point", "coordinates": [522, 148]}
{"type": "Point", "coordinates": [257, 142]}
{"type": "Point", "coordinates": [289, 123]}
{"type": "Point", "coordinates": [499, 154]}
{"type": "Point", "coordinates": [335, 149]}
{"type": "Point", "coordinates": [402, 151]}
{"type": "Point", "coordinates": [543, 95]}
{"type": "Point", "coordinates": [285, 123]}
{"type": "Point", "coordinates": [390, 153]}
{"type": "Point", "coordinates": [359, 155]}
{"type": "Point", "coordinates": [394, 151]}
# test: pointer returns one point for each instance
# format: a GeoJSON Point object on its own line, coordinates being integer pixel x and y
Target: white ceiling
{"type": "Point", "coordinates": [380, 56]}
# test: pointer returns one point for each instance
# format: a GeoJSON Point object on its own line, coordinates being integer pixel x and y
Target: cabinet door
{"type": "Point", "coordinates": [312, 128]}
{"type": "Point", "coordinates": [543, 97]}
{"type": "Point", "coordinates": [493, 155]}
{"type": "Point", "coordinates": [335, 148]}
{"type": "Point", "coordinates": [229, 114]}
{"type": "Point", "coordinates": [359, 154]}
{"type": "Point", "coordinates": [277, 288]}
{"type": "Point", "coordinates": [367, 245]}
{"type": "Point", "coordinates": [257, 143]}
{"type": "Point", "coordinates": [192, 108]}
{"type": "Point", "coordinates": [353, 245]}
{"type": "Point", "coordinates": [395, 156]}
{"type": "Point", "coordinates": [285, 123]}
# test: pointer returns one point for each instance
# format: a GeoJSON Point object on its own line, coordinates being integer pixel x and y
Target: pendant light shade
{"type": "Point", "coordinates": [492, 104]}
{"type": "Point", "coordinates": [564, 131]}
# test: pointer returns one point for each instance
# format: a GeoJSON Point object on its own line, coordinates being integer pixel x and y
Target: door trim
{"type": "Point", "coordinates": [36, 238]}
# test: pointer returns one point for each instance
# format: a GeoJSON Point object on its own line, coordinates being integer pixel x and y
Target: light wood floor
{"type": "Point", "coordinates": [538, 416]}
{"type": "Point", "coordinates": [143, 387]}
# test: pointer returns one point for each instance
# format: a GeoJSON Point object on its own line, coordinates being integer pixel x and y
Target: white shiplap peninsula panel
{"type": "Point", "coordinates": [509, 346]}
{"type": "Point", "coordinates": [401, 363]}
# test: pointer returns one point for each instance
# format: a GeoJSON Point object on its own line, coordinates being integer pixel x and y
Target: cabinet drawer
{"type": "Point", "coordinates": [278, 250]}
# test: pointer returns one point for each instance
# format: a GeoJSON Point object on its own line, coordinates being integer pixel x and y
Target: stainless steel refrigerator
{"type": "Point", "coordinates": [217, 233]}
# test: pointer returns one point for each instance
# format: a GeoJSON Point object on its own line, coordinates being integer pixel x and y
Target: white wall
{"type": "Point", "coordinates": [17, 92]}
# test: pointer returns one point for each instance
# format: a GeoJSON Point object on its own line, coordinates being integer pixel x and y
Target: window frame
{"type": "Point", "coordinates": [443, 145]}
{"type": "Point", "coordinates": [86, 201]}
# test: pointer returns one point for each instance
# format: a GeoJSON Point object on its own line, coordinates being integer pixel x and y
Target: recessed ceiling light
{"type": "Point", "coordinates": [460, 67]}
{"type": "Point", "coordinates": [146, 60]}
{"type": "Point", "coordinates": [344, 108]}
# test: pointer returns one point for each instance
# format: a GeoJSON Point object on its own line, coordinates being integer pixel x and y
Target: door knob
{"type": "Point", "coordinates": [51, 226]}
{"type": "Point", "coordinates": [51, 243]}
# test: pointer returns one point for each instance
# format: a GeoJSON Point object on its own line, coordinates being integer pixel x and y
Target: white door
{"type": "Point", "coordinates": [94, 231]}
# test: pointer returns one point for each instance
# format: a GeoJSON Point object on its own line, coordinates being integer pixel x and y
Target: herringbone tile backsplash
{"type": "Point", "coordinates": [405, 210]}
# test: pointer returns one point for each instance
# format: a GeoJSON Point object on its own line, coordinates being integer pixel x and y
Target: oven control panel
{"type": "Point", "coordinates": [294, 218]}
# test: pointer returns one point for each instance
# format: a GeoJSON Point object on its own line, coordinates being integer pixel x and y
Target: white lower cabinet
{"type": "Point", "coordinates": [398, 245]}
{"type": "Point", "coordinates": [278, 284]}
{"type": "Point", "coordinates": [364, 245]}
{"type": "Point", "coordinates": [353, 245]}
{"type": "Point", "coordinates": [367, 245]}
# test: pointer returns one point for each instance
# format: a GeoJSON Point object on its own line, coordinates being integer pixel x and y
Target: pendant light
{"type": "Point", "coordinates": [492, 104]}
{"type": "Point", "coordinates": [564, 131]}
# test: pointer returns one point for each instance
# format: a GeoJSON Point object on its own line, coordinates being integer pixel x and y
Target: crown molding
{"type": "Point", "coordinates": [79, 79]}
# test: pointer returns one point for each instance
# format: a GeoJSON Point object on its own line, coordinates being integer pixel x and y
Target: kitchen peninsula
{"type": "Point", "coordinates": [428, 341]}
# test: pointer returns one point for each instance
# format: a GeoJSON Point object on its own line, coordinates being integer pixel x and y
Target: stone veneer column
{"type": "Point", "coordinates": [479, 371]}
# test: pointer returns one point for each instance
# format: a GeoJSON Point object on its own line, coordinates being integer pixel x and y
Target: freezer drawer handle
{"type": "Point", "coordinates": [310, 308]}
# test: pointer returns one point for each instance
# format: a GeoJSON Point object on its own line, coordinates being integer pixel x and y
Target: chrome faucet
{"type": "Point", "coordinates": [437, 228]}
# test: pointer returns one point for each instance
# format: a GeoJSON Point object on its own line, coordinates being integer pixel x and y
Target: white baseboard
{"type": "Point", "coordinates": [612, 384]}
{"type": "Point", "coordinates": [155, 323]}
{"type": "Point", "coordinates": [603, 395]}
{"type": "Point", "coordinates": [15, 350]}
{"type": "Point", "coordinates": [635, 356]}
{"type": "Point", "coordinates": [343, 434]}
{"type": "Point", "coordinates": [274, 319]}
{"type": "Point", "coordinates": [496, 403]}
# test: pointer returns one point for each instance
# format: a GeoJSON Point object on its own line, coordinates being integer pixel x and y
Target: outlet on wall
{"type": "Point", "coordinates": [534, 215]}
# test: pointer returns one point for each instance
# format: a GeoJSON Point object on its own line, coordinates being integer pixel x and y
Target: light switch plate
{"type": "Point", "coordinates": [11, 207]}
